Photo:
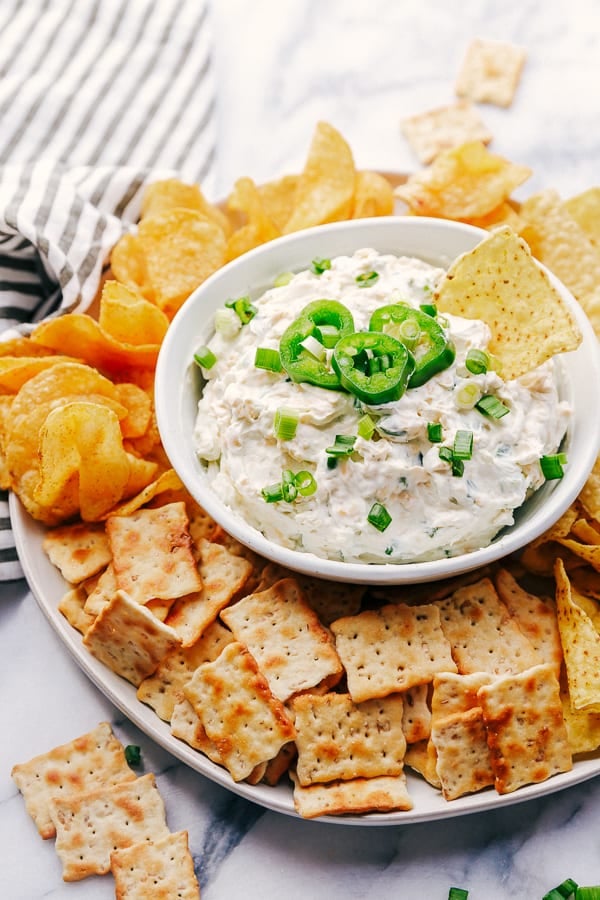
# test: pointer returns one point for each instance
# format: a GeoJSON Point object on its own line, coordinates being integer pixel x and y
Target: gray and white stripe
{"type": "Point", "coordinates": [97, 97]}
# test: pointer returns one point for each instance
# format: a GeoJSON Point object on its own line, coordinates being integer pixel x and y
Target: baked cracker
{"type": "Point", "coordinates": [161, 869]}
{"type": "Point", "coordinates": [85, 763]}
{"type": "Point", "coordinates": [463, 763]}
{"type": "Point", "coordinates": [72, 607]}
{"type": "Point", "coordinates": [490, 72]}
{"type": "Point", "coordinates": [391, 649]}
{"type": "Point", "coordinates": [357, 796]}
{"type": "Point", "coordinates": [416, 719]}
{"type": "Point", "coordinates": [431, 132]}
{"type": "Point", "coordinates": [78, 551]}
{"type": "Point", "coordinates": [284, 635]}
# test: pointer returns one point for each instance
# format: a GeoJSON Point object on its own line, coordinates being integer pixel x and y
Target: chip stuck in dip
{"type": "Point", "coordinates": [355, 412]}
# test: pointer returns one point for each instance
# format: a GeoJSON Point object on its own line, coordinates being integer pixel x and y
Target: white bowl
{"type": "Point", "coordinates": [436, 241]}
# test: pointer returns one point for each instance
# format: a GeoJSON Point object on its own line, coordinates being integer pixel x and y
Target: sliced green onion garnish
{"type": "Point", "coordinates": [288, 486]}
{"type": "Point", "coordinates": [463, 444]}
{"type": "Point", "coordinates": [343, 446]}
{"type": "Point", "coordinates": [477, 361]}
{"type": "Point", "coordinates": [492, 407]}
{"type": "Point", "coordinates": [468, 395]}
{"type": "Point", "coordinates": [434, 432]}
{"type": "Point", "coordinates": [591, 892]}
{"type": "Point", "coordinates": [379, 516]}
{"type": "Point", "coordinates": [365, 279]}
{"type": "Point", "coordinates": [457, 894]}
{"type": "Point", "coordinates": [285, 423]}
{"type": "Point", "coordinates": [552, 465]}
{"type": "Point", "coordinates": [226, 322]}
{"type": "Point", "coordinates": [205, 357]}
{"type": "Point", "coordinates": [283, 279]}
{"type": "Point", "coordinates": [429, 308]}
{"type": "Point", "coordinates": [314, 347]}
{"type": "Point", "coordinates": [133, 754]}
{"type": "Point", "coordinates": [561, 891]}
{"type": "Point", "coordinates": [272, 492]}
{"type": "Point", "coordinates": [328, 335]}
{"type": "Point", "coordinates": [456, 463]}
{"type": "Point", "coordinates": [409, 333]}
{"type": "Point", "coordinates": [267, 358]}
{"type": "Point", "coordinates": [243, 307]}
{"type": "Point", "coordinates": [319, 265]}
{"type": "Point", "coordinates": [366, 427]}
{"type": "Point", "coordinates": [305, 482]}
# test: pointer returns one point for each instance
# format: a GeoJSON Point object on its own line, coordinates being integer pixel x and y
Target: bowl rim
{"type": "Point", "coordinates": [171, 362]}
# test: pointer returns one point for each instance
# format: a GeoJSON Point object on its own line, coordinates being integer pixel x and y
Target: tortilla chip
{"type": "Point", "coordinates": [581, 645]}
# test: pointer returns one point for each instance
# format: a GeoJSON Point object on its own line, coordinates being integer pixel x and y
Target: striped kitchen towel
{"type": "Point", "coordinates": [97, 97]}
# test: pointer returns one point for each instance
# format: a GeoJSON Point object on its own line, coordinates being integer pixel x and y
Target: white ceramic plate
{"type": "Point", "coordinates": [48, 587]}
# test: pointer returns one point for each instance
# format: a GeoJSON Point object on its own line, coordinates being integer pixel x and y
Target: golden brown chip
{"type": "Point", "coordinates": [462, 183]}
{"type": "Point", "coordinates": [258, 228]}
{"type": "Point", "coordinates": [129, 265]}
{"type": "Point", "coordinates": [16, 370]}
{"type": "Point", "coordinates": [581, 646]}
{"type": "Point", "coordinates": [439, 129]}
{"type": "Point", "coordinates": [499, 281]}
{"type": "Point", "coordinates": [128, 317]}
{"type": "Point", "coordinates": [325, 189]}
{"type": "Point", "coordinates": [585, 209]}
{"type": "Point", "coordinates": [373, 195]}
{"type": "Point", "coordinates": [589, 496]}
{"type": "Point", "coordinates": [171, 193]}
{"type": "Point", "coordinates": [278, 199]}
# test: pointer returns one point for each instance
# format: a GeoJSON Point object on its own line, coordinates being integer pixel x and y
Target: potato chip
{"type": "Point", "coordinates": [258, 228]}
{"type": "Point", "coordinates": [504, 214]}
{"type": "Point", "coordinates": [171, 193]}
{"type": "Point", "coordinates": [181, 249]}
{"type": "Point", "coordinates": [498, 281]}
{"type": "Point", "coordinates": [81, 441]}
{"type": "Point", "coordinates": [278, 199]}
{"type": "Point", "coordinates": [581, 645]}
{"type": "Point", "coordinates": [373, 195]}
{"type": "Point", "coordinates": [128, 317]}
{"type": "Point", "coordinates": [462, 183]}
{"type": "Point", "coordinates": [129, 265]}
{"type": "Point", "coordinates": [585, 209]}
{"type": "Point", "coordinates": [16, 370]}
{"type": "Point", "coordinates": [326, 186]}
{"type": "Point", "coordinates": [442, 128]}
{"type": "Point", "coordinates": [491, 71]}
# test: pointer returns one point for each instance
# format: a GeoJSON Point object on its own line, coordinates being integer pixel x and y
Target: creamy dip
{"type": "Point", "coordinates": [434, 513]}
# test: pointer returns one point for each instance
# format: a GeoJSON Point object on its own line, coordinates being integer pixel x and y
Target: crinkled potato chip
{"type": "Point", "coordinates": [373, 195]}
{"type": "Point", "coordinates": [463, 183]}
{"type": "Point", "coordinates": [581, 646]}
{"type": "Point", "coordinates": [81, 441]}
{"type": "Point", "coordinates": [325, 189]}
{"type": "Point", "coordinates": [181, 249]}
{"type": "Point", "coordinates": [16, 370]}
{"type": "Point", "coordinates": [139, 409]}
{"type": "Point", "coordinates": [499, 282]}
{"type": "Point", "coordinates": [128, 317]}
{"type": "Point", "coordinates": [258, 228]}
{"type": "Point", "coordinates": [129, 266]}
{"type": "Point", "coordinates": [278, 199]}
{"type": "Point", "coordinates": [505, 214]}
{"type": "Point", "coordinates": [171, 193]}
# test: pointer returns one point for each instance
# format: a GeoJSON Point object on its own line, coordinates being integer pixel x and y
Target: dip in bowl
{"type": "Point", "coordinates": [347, 452]}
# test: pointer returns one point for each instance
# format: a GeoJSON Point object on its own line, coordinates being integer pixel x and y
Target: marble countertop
{"type": "Point", "coordinates": [362, 66]}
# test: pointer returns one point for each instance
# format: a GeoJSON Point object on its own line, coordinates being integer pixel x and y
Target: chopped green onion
{"type": "Point", "coordinates": [332, 462]}
{"type": "Point", "coordinates": [243, 307]}
{"type": "Point", "coordinates": [563, 890]}
{"type": "Point", "coordinates": [379, 516]}
{"type": "Point", "coordinates": [314, 347]}
{"type": "Point", "coordinates": [468, 395]}
{"type": "Point", "coordinates": [288, 486]}
{"type": "Point", "coordinates": [366, 427]}
{"type": "Point", "coordinates": [283, 279]}
{"type": "Point", "coordinates": [409, 333]}
{"type": "Point", "coordinates": [226, 322]}
{"type": "Point", "coordinates": [463, 444]}
{"type": "Point", "coordinates": [267, 358]}
{"type": "Point", "coordinates": [133, 754]}
{"type": "Point", "coordinates": [477, 361]}
{"type": "Point", "coordinates": [591, 892]}
{"type": "Point", "coordinates": [285, 423]}
{"type": "Point", "coordinates": [204, 357]}
{"type": "Point", "coordinates": [552, 465]}
{"type": "Point", "coordinates": [492, 407]}
{"type": "Point", "coordinates": [272, 493]}
{"type": "Point", "coordinates": [365, 279]}
{"type": "Point", "coordinates": [457, 894]}
{"type": "Point", "coordinates": [456, 463]}
{"type": "Point", "coordinates": [429, 308]}
{"type": "Point", "coordinates": [305, 482]}
{"type": "Point", "coordinates": [343, 446]}
{"type": "Point", "coordinates": [328, 335]}
{"type": "Point", "coordinates": [434, 432]}
{"type": "Point", "coordinates": [319, 265]}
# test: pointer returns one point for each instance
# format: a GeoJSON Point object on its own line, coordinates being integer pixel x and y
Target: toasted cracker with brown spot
{"type": "Point", "coordinates": [491, 71]}
{"type": "Point", "coordinates": [356, 796]}
{"type": "Point", "coordinates": [72, 607]}
{"type": "Point", "coordinates": [416, 719]}
{"type": "Point", "coordinates": [463, 762]}
{"type": "Point", "coordinates": [78, 551]}
{"type": "Point", "coordinates": [161, 868]}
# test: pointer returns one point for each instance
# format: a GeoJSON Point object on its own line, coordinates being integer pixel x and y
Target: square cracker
{"type": "Point", "coordinates": [416, 719]}
{"type": "Point", "coordinates": [535, 618]}
{"type": "Point", "coordinates": [359, 795]}
{"type": "Point", "coordinates": [103, 591]}
{"type": "Point", "coordinates": [72, 607]}
{"type": "Point", "coordinates": [128, 639]}
{"type": "Point", "coordinates": [233, 700]}
{"type": "Point", "coordinates": [283, 633]}
{"type": "Point", "coordinates": [78, 551]}
{"type": "Point", "coordinates": [526, 731]}
{"type": "Point", "coordinates": [161, 689]}
{"type": "Point", "coordinates": [91, 825]}
{"type": "Point", "coordinates": [483, 635]}
{"type": "Point", "coordinates": [223, 574]}
{"type": "Point", "coordinates": [152, 553]}
{"type": "Point", "coordinates": [330, 599]}
{"type": "Point", "coordinates": [431, 132]}
{"type": "Point", "coordinates": [391, 649]}
{"type": "Point", "coordinates": [463, 763]}
{"type": "Point", "coordinates": [187, 726]}
{"type": "Point", "coordinates": [453, 693]}
{"type": "Point", "coordinates": [339, 740]}
{"type": "Point", "coordinates": [490, 72]}
{"type": "Point", "coordinates": [162, 870]}
{"type": "Point", "coordinates": [87, 762]}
